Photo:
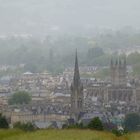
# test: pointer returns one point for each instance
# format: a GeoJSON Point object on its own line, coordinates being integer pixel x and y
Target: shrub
{"type": "Point", "coordinates": [95, 124]}
{"type": "Point", "coordinates": [24, 126]}
{"type": "Point", "coordinates": [117, 132]}
{"type": "Point", "coordinates": [109, 126]}
{"type": "Point", "coordinates": [65, 126]}
{"type": "Point", "coordinates": [74, 126]}
{"type": "Point", "coordinates": [132, 122]}
{"type": "Point", "coordinates": [20, 97]}
{"type": "Point", "coordinates": [3, 122]}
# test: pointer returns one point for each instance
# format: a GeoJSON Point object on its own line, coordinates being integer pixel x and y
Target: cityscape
{"type": "Point", "coordinates": [69, 70]}
{"type": "Point", "coordinates": [66, 97]}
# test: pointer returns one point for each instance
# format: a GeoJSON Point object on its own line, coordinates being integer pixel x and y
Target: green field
{"type": "Point", "coordinates": [63, 135]}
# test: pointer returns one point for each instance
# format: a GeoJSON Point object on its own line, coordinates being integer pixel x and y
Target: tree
{"type": "Point", "coordinates": [3, 122]}
{"type": "Point", "coordinates": [20, 97]}
{"type": "Point", "coordinates": [95, 124]}
{"type": "Point", "coordinates": [133, 58]}
{"type": "Point", "coordinates": [95, 52]}
{"type": "Point", "coordinates": [136, 69]}
{"type": "Point", "coordinates": [109, 126]}
{"type": "Point", "coordinates": [24, 126]}
{"type": "Point", "coordinates": [132, 122]}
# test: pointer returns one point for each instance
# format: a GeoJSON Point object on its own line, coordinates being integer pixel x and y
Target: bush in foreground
{"type": "Point", "coordinates": [119, 133]}
{"type": "Point", "coordinates": [96, 124]}
{"type": "Point", "coordinates": [74, 126]}
{"type": "Point", "coordinates": [24, 126]}
{"type": "Point", "coordinates": [132, 122]}
{"type": "Point", "coordinates": [3, 122]}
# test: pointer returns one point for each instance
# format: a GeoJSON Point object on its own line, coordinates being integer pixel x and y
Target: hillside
{"type": "Point", "coordinates": [63, 135]}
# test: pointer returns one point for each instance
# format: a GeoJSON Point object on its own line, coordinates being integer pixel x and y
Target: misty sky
{"type": "Point", "coordinates": [42, 16]}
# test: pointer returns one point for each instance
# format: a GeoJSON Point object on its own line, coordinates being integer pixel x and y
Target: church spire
{"type": "Point", "coordinates": [77, 96]}
{"type": "Point", "coordinates": [76, 79]}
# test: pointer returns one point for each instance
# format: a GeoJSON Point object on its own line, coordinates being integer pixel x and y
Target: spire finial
{"type": "Point", "coordinates": [76, 71]}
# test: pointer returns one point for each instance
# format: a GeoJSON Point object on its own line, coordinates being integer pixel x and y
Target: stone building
{"type": "Point", "coordinates": [76, 93]}
{"type": "Point", "coordinates": [118, 89]}
{"type": "Point", "coordinates": [118, 72]}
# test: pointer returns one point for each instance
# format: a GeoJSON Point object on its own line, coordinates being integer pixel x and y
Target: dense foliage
{"type": "Point", "coordinates": [24, 126]}
{"type": "Point", "coordinates": [54, 54]}
{"type": "Point", "coordinates": [96, 124]}
{"type": "Point", "coordinates": [20, 97]}
{"type": "Point", "coordinates": [3, 122]}
{"type": "Point", "coordinates": [132, 122]}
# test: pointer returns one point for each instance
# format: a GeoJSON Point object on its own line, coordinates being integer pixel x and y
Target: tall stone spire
{"type": "Point", "coordinates": [76, 93]}
{"type": "Point", "coordinates": [76, 79]}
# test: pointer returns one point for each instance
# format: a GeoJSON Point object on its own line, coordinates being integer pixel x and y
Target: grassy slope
{"type": "Point", "coordinates": [63, 135]}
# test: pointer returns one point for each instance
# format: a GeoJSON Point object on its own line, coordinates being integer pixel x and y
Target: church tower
{"type": "Point", "coordinates": [118, 72]}
{"type": "Point", "coordinates": [76, 93]}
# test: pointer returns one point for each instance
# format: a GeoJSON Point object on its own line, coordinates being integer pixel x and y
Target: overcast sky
{"type": "Point", "coordinates": [41, 16]}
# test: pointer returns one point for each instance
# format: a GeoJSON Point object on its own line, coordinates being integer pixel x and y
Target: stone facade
{"type": "Point", "coordinates": [118, 72]}
{"type": "Point", "coordinates": [118, 90]}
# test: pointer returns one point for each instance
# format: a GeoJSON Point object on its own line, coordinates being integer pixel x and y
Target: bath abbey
{"type": "Point", "coordinates": [117, 89]}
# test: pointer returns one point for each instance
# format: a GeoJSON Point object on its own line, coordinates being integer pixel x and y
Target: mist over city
{"type": "Point", "coordinates": [70, 69]}
{"type": "Point", "coordinates": [45, 17]}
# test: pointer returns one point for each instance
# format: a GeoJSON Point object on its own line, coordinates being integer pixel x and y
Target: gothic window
{"type": "Point", "coordinates": [79, 103]}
